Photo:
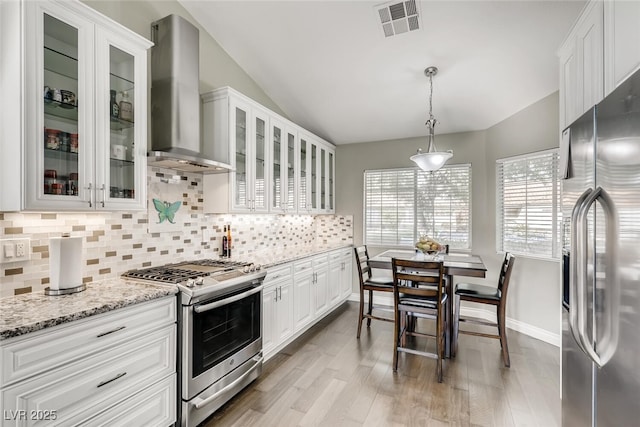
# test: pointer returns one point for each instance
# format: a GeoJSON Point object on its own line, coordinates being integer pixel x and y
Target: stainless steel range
{"type": "Point", "coordinates": [221, 330]}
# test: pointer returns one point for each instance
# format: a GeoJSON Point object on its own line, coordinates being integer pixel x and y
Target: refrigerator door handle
{"type": "Point", "coordinates": [581, 264]}
{"type": "Point", "coordinates": [600, 352]}
{"type": "Point", "coordinates": [574, 277]}
{"type": "Point", "coordinates": [607, 346]}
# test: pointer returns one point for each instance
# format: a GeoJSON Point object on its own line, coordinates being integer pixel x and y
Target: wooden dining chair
{"type": "Point", "coordinates": [370, 283]}
{"type": "Point", "coordinates": [496, 296]}
{"type": "Point", "coordinates": [418, 292]}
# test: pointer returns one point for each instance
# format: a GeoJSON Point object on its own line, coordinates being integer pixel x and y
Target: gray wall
{"type": "Point", "coordinates": [534, 297]}
{"type": "Point", "coordinates": [217, 68]}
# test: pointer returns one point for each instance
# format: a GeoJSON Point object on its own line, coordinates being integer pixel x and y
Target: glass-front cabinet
{"type": "Point", "coordinates": [249, 135]}
{"type": "Point", "coordinates": [290, 170]}
{"type": "Point", "coordinates": [277, 166]}
{"type": "Point", "coordinates": [282, 172]}
{"type": "Point", "coordinates": [86, 111]}
{"type": "Point", "coordinates": [316, 173]}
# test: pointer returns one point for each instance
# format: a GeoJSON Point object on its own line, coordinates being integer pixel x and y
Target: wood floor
{"type": "Point", "coordinates": [329, 378]}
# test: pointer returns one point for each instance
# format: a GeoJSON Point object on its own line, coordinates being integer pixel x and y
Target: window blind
{"type": "Point", "coordinates": [528, 209]}
{"type": "Point", "coordinates": [401, 204]}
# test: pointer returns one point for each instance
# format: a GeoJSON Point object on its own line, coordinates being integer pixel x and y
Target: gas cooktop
{"type": "Point", "coordinates": [181, 272]}
{"type": "Point", "coordinates": [202, 279]}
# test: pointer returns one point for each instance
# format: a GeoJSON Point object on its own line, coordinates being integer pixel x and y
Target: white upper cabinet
{"type": "Point", "coordinates": [85, 110]}
{"type": "Point", "coordinates": [582, 65]}
{"type": "Point", "coordinates": [315, 175]}
{"type": "Point", "coordinates": [600, 52]}
{"type": "Point", "coordinates": [622, 41]}
{"type": "Point", "coordinates": [248, 145]}
{"type": "Point", "coordinates": [277, 166]}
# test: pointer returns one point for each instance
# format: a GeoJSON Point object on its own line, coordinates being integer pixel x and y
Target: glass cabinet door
{"type": "Point", "coordinates": [303, 178]}
{"type": "Point", "coordinates": [259, 199]}
{"type": "Point", "coordinates": [290, 159]}
{"type": "Point", "coordinates": [277, 153]}
{"type": "Point", "coordinates": [330, 183]}
{"type": "Point", "coordinates": [240, 175]}
{"type": "Point", "coordinates": [314, 177]}
{"type": "Point", "coordinates": [323, 178]}
{"type": "Point", "coordinates": [62, 143]}
{"type": "Point", "coordinates": [121, 173]}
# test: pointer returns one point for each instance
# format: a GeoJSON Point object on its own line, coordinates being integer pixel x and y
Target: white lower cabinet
{"type": "Point", "coordinates": [298, 294]}
{"type": "Point", "coordinates": [128, 367]}
{"type": "Point", "coordinates": [277, 308]}
{"type": "Point", "coordinates": [346, 273]}
{"type": "Point", "coordinates": [340, 264]}
{"type": "Point", "coordinates": [154, 406]}
{"type": "Point", "coordinates": [303, 279]}
{"type": "Point", "coordinates": [321, 285]}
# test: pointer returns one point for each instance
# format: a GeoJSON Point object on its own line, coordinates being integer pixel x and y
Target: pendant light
{"type": "Point", "coordinates": [433, 159]}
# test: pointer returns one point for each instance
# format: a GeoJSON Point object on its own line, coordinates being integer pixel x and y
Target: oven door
{"type": "Point", "coordinates": [218, 336]}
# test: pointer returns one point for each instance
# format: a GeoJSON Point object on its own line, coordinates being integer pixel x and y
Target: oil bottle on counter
{"type": "Point", "coordinates": [225, 243]}
{"type": "Point", "coordinates": [229, 240]}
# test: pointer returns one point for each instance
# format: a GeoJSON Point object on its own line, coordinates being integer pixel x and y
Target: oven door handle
{"type": "Point", "coordinates": [201, 403]}
{"type": "Point", "coordinates": [225, 301]}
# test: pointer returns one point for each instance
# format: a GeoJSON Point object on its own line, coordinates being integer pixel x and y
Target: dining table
{"type": "Point", "coordinates": [456, 264]}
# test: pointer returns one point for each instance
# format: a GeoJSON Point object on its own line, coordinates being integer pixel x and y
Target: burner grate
{"type": "Point", "coordinates": [173, 273]}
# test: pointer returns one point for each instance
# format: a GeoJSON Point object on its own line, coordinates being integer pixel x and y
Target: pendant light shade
{"type": "Point", "coordinates": [432, 159]}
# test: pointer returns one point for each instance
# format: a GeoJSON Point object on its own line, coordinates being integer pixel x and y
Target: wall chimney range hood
{"type": "Point", "coordinates": [175, 101]}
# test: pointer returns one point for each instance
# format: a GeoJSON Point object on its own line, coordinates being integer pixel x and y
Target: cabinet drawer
{"type": "Point", "coordinates": [85, 388]}
{"type": "Point", "coordinates": [302, 266]}
{"type": "Point", "coordinates": [50, 348]}
{"type": "Point", "coordinates": [277, 273]}
{"type": "Point", "coordinates": [154, 406]}
{"type": "Point", "coordinates": [335, 256]}
{"type": "Point", "coordinates": [320, 261]}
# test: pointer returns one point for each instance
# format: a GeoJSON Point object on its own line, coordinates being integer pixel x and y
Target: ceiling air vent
{"type": "Point", "coordinates": [398, 17]}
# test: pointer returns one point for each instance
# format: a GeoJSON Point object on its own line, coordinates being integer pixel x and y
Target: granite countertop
{"type": "Point", "coordinates": [31, 312]}
{"type": "Point", "coordinates": [274, 257]}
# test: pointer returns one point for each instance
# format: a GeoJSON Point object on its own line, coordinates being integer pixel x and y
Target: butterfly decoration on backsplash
{"type": "Point", "coordinates": [166, 210]}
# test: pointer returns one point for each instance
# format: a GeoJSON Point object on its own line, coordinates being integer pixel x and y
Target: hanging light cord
{"type": "Point", "coordinates": [431, 122]}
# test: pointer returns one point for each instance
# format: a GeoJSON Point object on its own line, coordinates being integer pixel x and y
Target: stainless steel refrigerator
{"type": "Point", "coordinates": [601, 263]}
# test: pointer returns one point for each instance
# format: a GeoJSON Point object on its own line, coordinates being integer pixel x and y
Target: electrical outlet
{"type": "Point", "coordinates": [15, 250]}
{"type": "Point", "coordinates": [20, 250]}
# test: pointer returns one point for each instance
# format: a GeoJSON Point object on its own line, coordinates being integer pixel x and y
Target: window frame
{"type": "Point", "coordinates": [556, 219]}
{"type": "Point", "coordinates": [416, 232]}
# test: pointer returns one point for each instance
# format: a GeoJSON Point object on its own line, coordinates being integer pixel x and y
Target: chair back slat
{"type": "Point", "coordinates": [505, 273]}
{"type": "Point", "coordinates": [419, 278]}
{"type": "Point", "coordinates": [362, 261]}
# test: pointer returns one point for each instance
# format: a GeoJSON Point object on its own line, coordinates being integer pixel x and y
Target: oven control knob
{"type": "Point", "coordinates": [190, 283]}
{"type": "Point", "coordinates": [199, 281]}
{"type": "Point", "coordinates": [252, 267]}
{"type": "Point", "coordinates": [245, 269]}
{"type": "Point", "coordinates": [258, 267]}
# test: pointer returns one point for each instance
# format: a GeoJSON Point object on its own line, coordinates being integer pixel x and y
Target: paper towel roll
{"type": "Point", "coordinates": [65, 262]}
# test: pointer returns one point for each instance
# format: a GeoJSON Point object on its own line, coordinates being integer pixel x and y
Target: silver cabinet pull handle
{"type": "Point", "coordinates": [110, 332]}
{"type": "Point", "coordinates": [120, 375]}
{"type": "Point", "coordinates": [104, 194]}
{"type": "Point", "coordinates": [90, 189]}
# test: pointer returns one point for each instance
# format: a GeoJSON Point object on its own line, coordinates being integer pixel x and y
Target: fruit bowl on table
{"type": "Point", "coordinates": [428, 246]}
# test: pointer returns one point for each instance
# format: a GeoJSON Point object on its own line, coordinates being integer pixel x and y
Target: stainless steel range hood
{"type": "Point", "coordinates": [175, 100]}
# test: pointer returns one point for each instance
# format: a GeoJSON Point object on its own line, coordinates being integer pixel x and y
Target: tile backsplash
{"type": "Point", "coordinates": [115, 242]}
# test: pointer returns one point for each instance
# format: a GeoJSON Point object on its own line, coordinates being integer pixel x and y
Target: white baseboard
{"type": "Point", "coordinates": [516, 325]}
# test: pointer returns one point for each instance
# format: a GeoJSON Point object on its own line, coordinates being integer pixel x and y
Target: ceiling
{"type": "Point", "coordinates": [329, 67]}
